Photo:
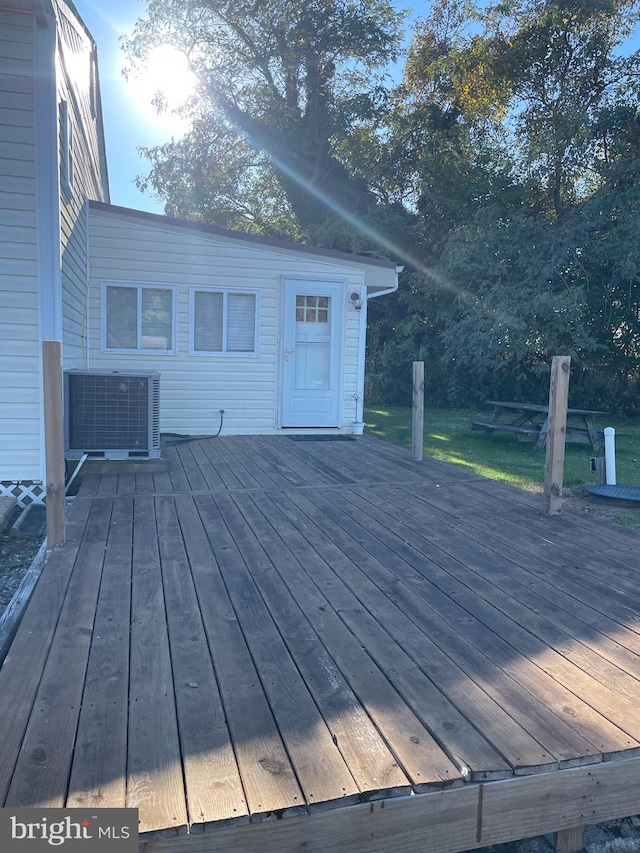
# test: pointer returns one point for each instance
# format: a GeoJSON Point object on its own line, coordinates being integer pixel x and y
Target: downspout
{"type": "Point", "coordinates": [358, 425]}
{"type": "Point", "coordinates": [388, 289]}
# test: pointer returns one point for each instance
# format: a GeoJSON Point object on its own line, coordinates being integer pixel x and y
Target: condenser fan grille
{"type": "Point", "coordinates": [112, 413]}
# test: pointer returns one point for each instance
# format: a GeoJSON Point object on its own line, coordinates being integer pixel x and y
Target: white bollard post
{"type": "Point", "coordinates": [610, 455]}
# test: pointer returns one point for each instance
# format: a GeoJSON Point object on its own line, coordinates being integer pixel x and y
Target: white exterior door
{"type": "Point", "coordinates": [311, 353]}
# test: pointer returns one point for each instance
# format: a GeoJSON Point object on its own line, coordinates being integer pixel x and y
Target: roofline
{"type": "Point", "coordinates": [202, 228]}
{"type": "Point", "coordinates": [72, 8]}
{"type": "Point", "coordinates": [102, 142]}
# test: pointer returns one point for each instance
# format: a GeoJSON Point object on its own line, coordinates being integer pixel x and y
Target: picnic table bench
{"type": "Point", "coordinates": [530, 422]}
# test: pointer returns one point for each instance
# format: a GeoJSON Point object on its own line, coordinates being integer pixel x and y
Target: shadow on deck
{"type": "Point", "coordinates": [402, 654]}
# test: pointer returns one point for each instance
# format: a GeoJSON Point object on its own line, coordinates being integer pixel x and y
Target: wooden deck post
{"type": "Point", "coordinates": [569, 840]}
{"type": "Point", "coordinates": [417, 421]}
{"type": "Point", "coordinates": [53, 440]}
{"type": "Point", "coordinates": [557, 426]}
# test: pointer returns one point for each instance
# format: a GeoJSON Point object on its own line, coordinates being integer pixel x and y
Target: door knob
{"type": "Point", "coordinates": [287, 353]}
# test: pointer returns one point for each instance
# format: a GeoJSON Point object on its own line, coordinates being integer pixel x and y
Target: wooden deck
{"type": "Point", "coordinates": [388, 655]}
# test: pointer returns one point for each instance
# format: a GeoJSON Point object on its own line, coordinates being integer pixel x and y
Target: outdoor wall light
{"type": "Point", "coordinates": [356, 300]}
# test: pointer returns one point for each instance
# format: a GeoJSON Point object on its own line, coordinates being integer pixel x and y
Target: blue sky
{"type": "Point", "coordinates": [129, 122]}
{"type": "Point", "coordinates": [126, 126]}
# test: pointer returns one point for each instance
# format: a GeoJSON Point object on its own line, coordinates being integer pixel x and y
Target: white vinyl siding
{"type": "Point", "coordinates": [193, 388]}
{"type": "Point", "coordinates": [19, 318]}
{"type": "Point", "coordinates": [83, 173]}
{"type": "Point", "coordinates": [138, 318]}
{"type": "Point", "coordinates": [223, 322]}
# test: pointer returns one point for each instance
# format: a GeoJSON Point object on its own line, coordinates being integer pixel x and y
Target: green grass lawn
{"type": "Point", "coordinates": [448, 436]}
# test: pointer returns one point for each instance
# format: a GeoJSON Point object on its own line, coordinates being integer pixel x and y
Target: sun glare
{"type": "Point", "coordinates": [166, 72]}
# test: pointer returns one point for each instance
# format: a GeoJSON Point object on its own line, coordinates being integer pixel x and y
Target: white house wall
{"type": "Point", "coordinates": [75, 79]}
{"type": "Point", "coordinates": [19, 329]}
{"type": "Point", "coordinates": [194, 388]}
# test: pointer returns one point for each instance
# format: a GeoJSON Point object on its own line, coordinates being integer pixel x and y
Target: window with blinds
{"type": "Point", "coordinates": [223, 322]}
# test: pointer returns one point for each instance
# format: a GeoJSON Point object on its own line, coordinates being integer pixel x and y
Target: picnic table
{"type": "Point", "coordinates": [530, 422]}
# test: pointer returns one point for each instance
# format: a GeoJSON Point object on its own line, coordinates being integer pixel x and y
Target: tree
{"type": "Point", "coordinates": [290, 80]}
{"type": "Point", "coordinates": [526, 158]}
{"type": "Point", "coordinates": [565, 69]}
{"type": "Point", "coordinates": [213, 175]}
{"type": "Point", "coordinates": [525, 81]}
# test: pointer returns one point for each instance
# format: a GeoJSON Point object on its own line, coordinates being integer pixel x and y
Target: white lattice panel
{"type": "Point", "coordinates": [26, 492]}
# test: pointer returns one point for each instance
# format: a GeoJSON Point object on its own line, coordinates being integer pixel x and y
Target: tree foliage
{"type": "Point", "coordinates": [289, 80]}
{"type": "Point", "coordinates": [503, 171]}
{"type": "Point", "coordinates": [526, 161]}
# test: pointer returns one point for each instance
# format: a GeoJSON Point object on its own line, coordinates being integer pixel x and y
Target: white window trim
{"type": "Point", "coordinates": [224, 353]}
{"type": "Point", "coordinates": [67, 154]}
{"type": "Point", "coordinates": [140, 286]}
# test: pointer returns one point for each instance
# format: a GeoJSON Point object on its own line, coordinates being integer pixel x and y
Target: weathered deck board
{"type": "Point", "coordinates": [161, 482]}
{"type": "Point", "coordinates": [453, 820]}
{"type": "Point", "coordinates": [268, 779]}
{"type": "Point", "coordinates": [496, 705]}
{"type": "Point", "coordinates": [44, 762]}
{"type": "Point", "coordinates": [483, 621]}
{"type": "Point", "coordinates": [278, 627]}
{"type": "Point", "coordinates": [144, 484]}
{"type": "Point", "coordinates": [375, 469]}
{"type": "Point", "coordinates": [195, 481]}
{"type": "Point", "coordinates": [559, 627]}
{"type": "Point", "coordinates": [207, 468]}
{"type": "Point", "coordinates": [372, 765]}
{"type": "Point", "coordinates": [421, 758]}
{"type": "Point", "coordinates": [154, 769]}
{"type": "Point", "coordinates": [595, 592]}
{"type": "Point", "coordinates": [212, 782]}
{"type": "Point", "coordinates": [286, 461]}
{"type": "Point", "coordinates": [245, 470]}
{"type": "Point", "coordinates": [470, 752]}
{"type": "Point", "coordinates": [358, 571]}
{"type": "Point", "coordinates": [229, 476]}
{"type": "Point", "coordinates": [108, 485]}
{"type": "Point", "coordinates": [323, 775]}
{"type": "Point", "coordinates": [269, 476]}
{"type": "Point", "coordinates": [22, 669]}
{"type": "Point", "coordinates": [177, 476]}
{"type": "Point", "coordinates": [99, 769]}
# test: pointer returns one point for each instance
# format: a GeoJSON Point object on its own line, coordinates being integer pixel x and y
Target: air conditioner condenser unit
{"type": "Point", "coordinates": [112, 414]}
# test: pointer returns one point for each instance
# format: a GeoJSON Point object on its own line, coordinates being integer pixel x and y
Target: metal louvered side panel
{"type": "Point", "coordinates": [154, 410]}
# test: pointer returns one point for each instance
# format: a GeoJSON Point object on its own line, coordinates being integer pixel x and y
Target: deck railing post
{"type": "Point", "coordinates": [569, 840]}
{"type": "Point", "coordinates": [557, 427]}
{"type": "Point", "coordinates": [417, 421]}
{"type": "Point", "coordinates": [53, 440]}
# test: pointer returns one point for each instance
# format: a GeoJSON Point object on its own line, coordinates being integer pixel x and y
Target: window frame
{"type": "Point", "coordinates": [225, 291]}
{"type": "Point", "coordinates": [67, 145]}
{"type": "Point", "coordinates": [139, 286]}
{"type": "Point", "coordinates": [93, 82]}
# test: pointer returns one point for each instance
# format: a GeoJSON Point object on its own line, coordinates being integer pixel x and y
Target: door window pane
{"type": "Point", "coordinates": [312, 309]}
{"type": "Point", "coordinates": [312, 364]}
